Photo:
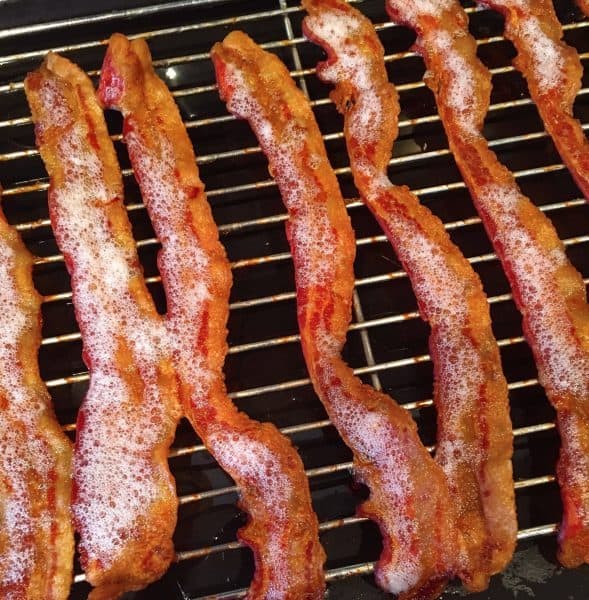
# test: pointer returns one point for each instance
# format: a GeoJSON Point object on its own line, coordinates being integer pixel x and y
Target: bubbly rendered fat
{"type": "Point", "coordinates": [563, 366]}
{"type": "Point", "coordinates": [520, 4]}
{"type": "Point", "coordinates": [547, 56]}
{"type": "Point", "coordinates": [461, 89]}
{"type": "Point", "coordinates": [442, 298]}
{"type": "Point", "coordinates": [168, 205]}
{"type": "Point", "coordinates": [57, 113]}
{"type": "Point", "coordinates": [578, 475]}
{"type": "Point", "coordinates": [415, 9]}
{"type": "Point", "coordinates": [283, 154]}
{"type": "Point", "coordinates": [113, 466]}
{"type": "Point", "coordinates": [18, 445]}
{"type": "Point", "coordinates": [336, 28]}
{"type": "Point", "coordinates": [252, 460]}
{"type": "Point", "coordinates": [371, 436]}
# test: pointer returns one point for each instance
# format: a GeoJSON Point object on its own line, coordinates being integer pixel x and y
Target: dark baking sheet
{"type": "Point", "coordinates": [213, 520]}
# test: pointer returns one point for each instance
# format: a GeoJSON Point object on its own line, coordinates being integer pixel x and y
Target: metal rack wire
{"type": "Point", "coordinates": [392, 369]}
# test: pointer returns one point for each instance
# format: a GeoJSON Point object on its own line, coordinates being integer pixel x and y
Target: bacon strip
{"type": "Point", "coordinates": [124, 500]}
{"type": "Point", "coordinates": [547, 289]}
{"type": "Point", "coordinates": [283, 529]}
{"type": "Point", "coordinates": [475, 440]}
{"type": "Point", "coordinates": [36, 534]}
{"type": "Point", "coordinates": [409, 494]}
{"type": "Point", "coordinates": [553, 71]}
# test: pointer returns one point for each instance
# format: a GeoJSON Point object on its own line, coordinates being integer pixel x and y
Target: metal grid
{"type": "Point", "coordinates": [285, 396]}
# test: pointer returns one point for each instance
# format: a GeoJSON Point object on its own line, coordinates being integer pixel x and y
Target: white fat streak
{"type": "Point", "coordinates": [460, 93]}
{"type": "Point", "coordinates": [20, 449]}
{"type": "Point", "coordinates": [252, 463]}
{"type": "Point", "coordinates": [578, 473]}
{"type": "Point", "coordinates": [442, 297]}
{"type": "Point", "coordinates": [564, 367]}
{"type": "Point", "coordinates": [548, 61]}
{"type": "Point", "coordinates": [113, 465]}
{"type": "Point", "coordinates": [18, 556]}
{"type": "Point", "coordinates": [547, 56]}
{"type": "Point", "coordinates": [413, 10]}
{"type": "Point", "coordinates": [371, 436]}
{"type": "Point", "coordinates": [12, 327]}
{"type": "Point", "coordinates": [168, 205]}
{"type": "Point", "coordinates": [312, 233]}
{"type": "Point", "coordinates": [50, 95]}
{"type": "Point", "coordinates": [459, 381]}
{"type": "Point", "coordinates": [336, 28]}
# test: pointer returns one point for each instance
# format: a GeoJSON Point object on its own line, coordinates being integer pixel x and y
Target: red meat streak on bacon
{"type": "Point", "coordinates": [474, 429]}
{"type": "Point", "coordinates": [283, 529]}
{"type": "Point", "coordinates": [409, 497]}
{"type": "Point", "coordinates": [553, 71]}
{"type": "Point", "coordinates": [36, 536]}
{"type": "Point", "coordinates": [124, 500]}
{"type": "Point", "coordinates": [547, 289]}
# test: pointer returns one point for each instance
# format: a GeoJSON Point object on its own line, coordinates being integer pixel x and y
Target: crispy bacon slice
{"type": "Point", "coordinates": [409, 497]}
{"type": "Point", "coordinates": [548, 291]}
{"type": "Point", "coordinates": [475, 440]}
{"type": "Point", "coordinates": [283, 529]}
{"type": "Point", "coordinates": [36, 534]}
{"type": "Point", "coordinates": [553, 71]}
{"type": "Point", "coordinates": [124, 500]}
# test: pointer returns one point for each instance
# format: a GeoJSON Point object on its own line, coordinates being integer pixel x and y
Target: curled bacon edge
{"type": "Point", "coordinates": [145, 551]}
{"type": "Point", "coordinates": [481, 482]}
{"type": "Point", "coordinates": [274, 490]}
{"type": "Point", "coordinates": [509, 217]}
{"type": "Point", "coordinates": [409, 497]}
{"type": "Point", "coordinates": [34, 448]}
{"type": "Point", "coordinates": [555, 103]}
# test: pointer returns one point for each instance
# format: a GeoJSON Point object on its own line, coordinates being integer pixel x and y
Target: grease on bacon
{"type": "Point", "coordinates": [409, 497]}
{"type": "Point", "coordinates": [283, 529]}
{"type": "Point", "coordinates": [553, 71]}
{"type": "Point", "coordinates": [547, 289]}
{"type": "Point", "coordinates": [124, 501]}
{"type": "Point", "coordinates": [36, 535]}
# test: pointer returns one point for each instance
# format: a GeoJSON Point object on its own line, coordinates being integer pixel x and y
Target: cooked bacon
{"type": "Point", "coordinates": [283, 530]}
{"type": "Point", "coordinates": [548, 291]}
{"type": "Point", "coordinates": [409, 497]}
{"type": "Point", "coordinates": [124, 500]}
{"type": "Point", "coordinates": [36, 534]}
{"type": "Point", "coordinates": [553, 71]}
{"type": "Point", "coordinates": [475, 440]}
